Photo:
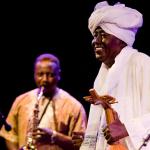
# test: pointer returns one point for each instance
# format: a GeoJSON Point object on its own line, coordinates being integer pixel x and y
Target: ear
{"type": "Point", "coordinates": [59, 77]}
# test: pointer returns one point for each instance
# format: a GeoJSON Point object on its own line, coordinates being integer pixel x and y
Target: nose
{"type": "Point", "coordinates": [93, 42]}
{"type": "Point", "coordinates": [45, 77]}
{"type": "Point", "coordinates": [44, 80]}
{"type": "Point", "coordinates": [96, 42]}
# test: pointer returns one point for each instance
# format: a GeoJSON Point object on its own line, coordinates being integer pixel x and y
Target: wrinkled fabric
{"type": "Point", "coordinates": [69, 117]}
{"type": "Point", "coordinates": [118, 20]}
{"type": "Point", "coordinates": [128, 81]}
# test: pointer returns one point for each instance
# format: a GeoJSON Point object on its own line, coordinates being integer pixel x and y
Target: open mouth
{"type": "Point", "coordinates": [98, 49]}
{"type": "Point", "coordinates": [99, 52]}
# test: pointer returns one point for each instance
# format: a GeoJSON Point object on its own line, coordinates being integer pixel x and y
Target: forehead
{"type": "Point", "coordinates": [45, 64]}
{"type": "Point", "coordinates": [99, 29]}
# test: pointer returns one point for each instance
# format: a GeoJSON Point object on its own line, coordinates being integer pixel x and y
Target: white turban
{"type": "Point", "coordinates": [118, 20]}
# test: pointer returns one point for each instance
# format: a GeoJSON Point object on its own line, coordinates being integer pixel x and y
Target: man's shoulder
{"type": "Point", "coordinates": [140, 58]}
{"type": "Point", "coordinates": [25, 95]}
{"type": "Point", "coordinates": [70, 102]}
{"type": "Point", "coordinates": [68, 97]}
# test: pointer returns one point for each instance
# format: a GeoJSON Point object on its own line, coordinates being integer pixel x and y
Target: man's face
{"type": "Point", "coordinates": [46, 73]}
{"type": "Point", "coordinates": [105, 46]}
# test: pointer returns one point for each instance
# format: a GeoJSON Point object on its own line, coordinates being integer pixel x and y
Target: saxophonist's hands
{"type": "Point", "coordinates": [43, 135]}
{"type": "Point", "coordinates": [77, 138]}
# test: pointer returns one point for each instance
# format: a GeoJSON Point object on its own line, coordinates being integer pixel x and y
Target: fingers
{"type": "Point", "coordinates": [92, 100]}
{"type": "Point", "coordinates": [114, 132]}
{"type": "Point", "coordinates": [108, 98]}
{"type": "Point", "coordinates": [94, 93]}
{"type": "Point", "coordinates": [77, 135]}
{"type": "Point", "coordinates": [95, 99]}
{"type": "Point", "coordinates": [40, 133]}
{"type": "Point", "coordinates": [89, 99]}
{"type": "Point", "coordinates": [45, 131]}
{"type": "Point", "coordinates": [37, 134]}
{"type": "Point", "coordinates": [106, 133]}
{"type": "Point", "coordinates": [108, 136]}
{"type": "Point", "coordinates": [77, 138]}
{"type": "Point", "coordinates": [77, 142]}
{"type": "Point", "coordinates": [41, 129]}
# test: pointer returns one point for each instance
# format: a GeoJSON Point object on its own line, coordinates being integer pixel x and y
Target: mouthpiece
{"type": "Point", "coordinates": [40, 92]}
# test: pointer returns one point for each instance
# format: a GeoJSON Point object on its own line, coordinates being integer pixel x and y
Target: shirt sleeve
{"type": "Point", "coordinates": [78, 121]}
{"type": "Point", "coordinates": [12, 120]}
{"type": "Point", "coordinates": [139, 127]}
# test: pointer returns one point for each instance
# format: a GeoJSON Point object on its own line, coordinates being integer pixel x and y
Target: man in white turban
{"type": "Point", "coordinates": [118, 20]}
{"type": "Point", "coordinates": [124, 75]}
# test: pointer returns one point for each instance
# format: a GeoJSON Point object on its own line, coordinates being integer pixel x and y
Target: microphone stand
{"type": "Point", "coordinates": [3, 122]}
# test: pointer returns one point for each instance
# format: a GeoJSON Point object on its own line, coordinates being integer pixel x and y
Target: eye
{"type": "Point", "coordinates": [103, 34]}
{"type": "Point", "coordinates": [39, 74]}
{"type": "Point", "coordinates": [95, 34]}
{"type": "Point", "coordinates": [51, 74]}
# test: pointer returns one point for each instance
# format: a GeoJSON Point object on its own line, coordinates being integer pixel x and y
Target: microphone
{"type": "Point", "coordinates": [4, 122]}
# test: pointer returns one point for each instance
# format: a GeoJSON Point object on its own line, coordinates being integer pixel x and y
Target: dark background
{"type": "Point", "coordinates": [58, 27]}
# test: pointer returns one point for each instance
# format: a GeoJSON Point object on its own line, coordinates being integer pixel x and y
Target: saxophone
{"type": "Point", "coordinates": [30, 144]}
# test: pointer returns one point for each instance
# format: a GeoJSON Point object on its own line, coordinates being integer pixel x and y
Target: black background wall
{"type": "Point", "coordinates": [58, 27]}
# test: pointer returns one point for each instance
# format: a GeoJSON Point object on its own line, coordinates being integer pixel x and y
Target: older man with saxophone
{"type": "Point", "coordinates": [45, 118]}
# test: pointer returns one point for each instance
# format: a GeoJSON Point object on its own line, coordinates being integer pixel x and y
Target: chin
{"type": "Point", "coordinates": [99, 58]}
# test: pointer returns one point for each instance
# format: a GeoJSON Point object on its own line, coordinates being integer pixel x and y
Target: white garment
{"type": "Point", "coordinates": [128, 80]}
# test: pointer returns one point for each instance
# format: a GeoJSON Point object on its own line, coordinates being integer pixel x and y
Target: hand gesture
{"type": "Point", "coordinates": [43, 135]}
{"type": "Point", "coordinates": [115, 131]}
{"type": "Point", "coordinates": [95, 99]}
{"type": "Point", "coordinates": [77, 138]}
